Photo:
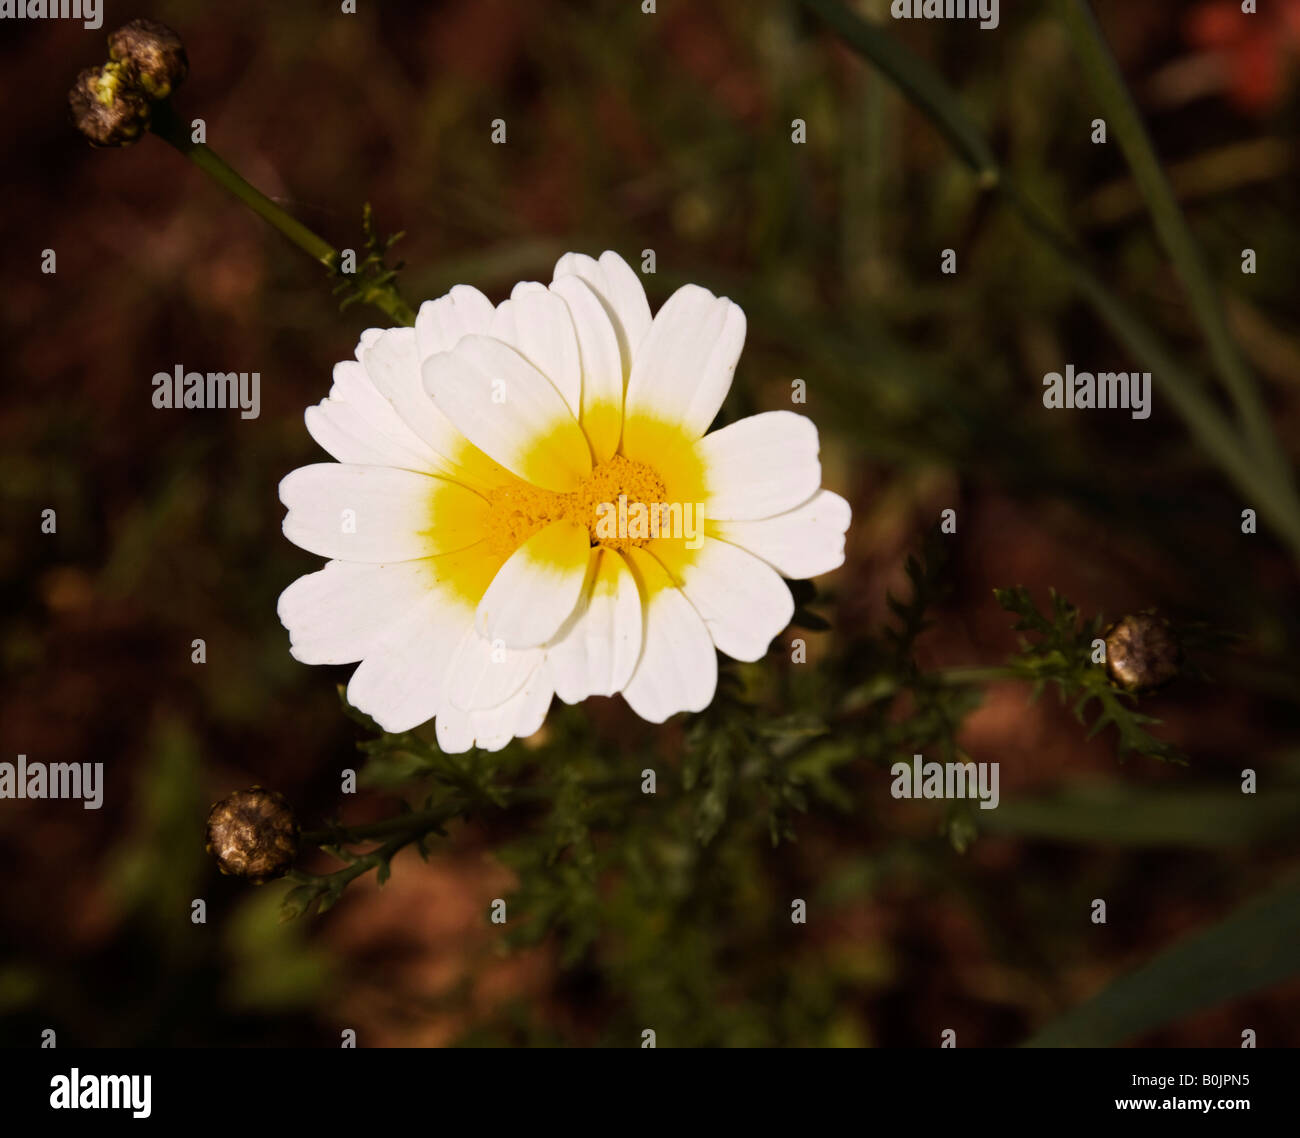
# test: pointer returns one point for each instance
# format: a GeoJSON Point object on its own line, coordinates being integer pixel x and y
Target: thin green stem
{"type": "Point", "coordinates": [341, 878]}
{"type": "Point", "coordinates": [403, 828]}
{"type": "Point", "coordinates": [976, 676]}
{"type": "Point", "coordinates": [171, 130]}
{"type": "Point", "coordinates": [415, 823]}
{"type": "Point", "coordinates": [1262, 479]}
{"type": "Point", "coordinates": [1124, 121]}
{"type": "Point", "coordinates": [420, 822]}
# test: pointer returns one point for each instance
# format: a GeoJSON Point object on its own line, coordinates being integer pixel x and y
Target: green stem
{"type": "Point", "coordinates": [1125, 122]}
{"type": "Point", "coordinates": [413, 824]}
{"type": "Point", "coordinates": [403, 828]}
{"type": "Point", "coordinates": [1262, 479]}
{"type": "Point", "coordinates": [976, 676]}
{"type": "Point", "coordinates": [171, 130]}
{"type": "Point", "coordinates": [341, 878]}
{"type": "Point", "coordinates": [420, 822]}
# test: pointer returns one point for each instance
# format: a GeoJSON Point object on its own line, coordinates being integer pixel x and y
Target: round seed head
{"type": "Point", "coordinates": [253, 834]}
{"type": "Point", "coordinates": [1142, 652]}
{"type": "Point", "coordinates": [106, 106]}
{"type": "Point", "coordinates": [155, 52]}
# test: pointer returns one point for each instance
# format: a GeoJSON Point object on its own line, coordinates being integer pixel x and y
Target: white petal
{"type": "Point", "coordinates": [800, 543]}
{"type": "Point", "coordinates": [619, 289]}
{"type": "Point", "coordinates": [441, 323]}
{"type": "Point", "coordinates": [392, 362]}
{"type": "Point", "coordinates": [355, 423]}
{"type": "Point", "coordinates": [602, 368]}
{"type": "Point", "coordinates": [483, 673]}
{"type": "Point", "coordinates": [760, 466]}
{"type": "Point", "coordinates": [682, 370]}
{"type": "Point", "coordinates": [743, 602]}
{"type": "Point", "coordinates": [510, 411]}
{"type": "Point", "coordinates": [537, 588]}
{"type": "Point", "coordinates": [536, 323]}
{"type": "Point", "coordinates": [401, 682]}
{"type": "Point", "coordinates": [336, 615]}
{"type": "Point", "coordinates": [520, 716]}
{"type": "Point", "coordinates": [377, 513]}
{"type": "Point", "coordinates": [454, 729]}
{"type": "Point", "coordinates": [678, 668]}
{"type": "Point", "coordinates": [595, 652]}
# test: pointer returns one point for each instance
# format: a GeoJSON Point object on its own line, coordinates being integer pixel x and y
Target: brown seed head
{"type": "Point", "coordinates": [253, 834]}
{"type": "Point", "coordinates": [106, 106]}
{"type": "Point", "coordinates": [1142, 652]}
{"type": "Point", "coordinates": [155, 52]}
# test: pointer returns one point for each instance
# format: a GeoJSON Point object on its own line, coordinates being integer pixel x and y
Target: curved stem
{"type": "Point", "coordinates": [171, 130]}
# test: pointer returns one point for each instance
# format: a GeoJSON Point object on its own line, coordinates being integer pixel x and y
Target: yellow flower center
{"type": "Point", "coordinates": [518, 510]}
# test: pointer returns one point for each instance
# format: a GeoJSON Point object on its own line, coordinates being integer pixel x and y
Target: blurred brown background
{"type": "Point", "coordinates": [628, 131]}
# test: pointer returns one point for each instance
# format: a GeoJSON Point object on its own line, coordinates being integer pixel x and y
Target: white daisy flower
{"type": "Point", "coordinates": [525, 504]}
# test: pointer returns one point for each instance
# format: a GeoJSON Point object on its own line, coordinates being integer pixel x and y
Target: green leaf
{"type": "Point", "coordinates": [1060, 653]}
{"type": "Point", "coordinates": [711, 810]}
{"type": "Point", "coordinates": [1253, 948]}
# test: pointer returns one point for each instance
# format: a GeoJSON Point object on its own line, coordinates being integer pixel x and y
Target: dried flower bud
{"type": "Point", "coordinates": [1142, 652]}
{"type": "Point", "coordinates": [253, 834]}
{"type": "Point", "coordinates": [106, 106]}
{"type": "Point", "coordinates": [155, 52]}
